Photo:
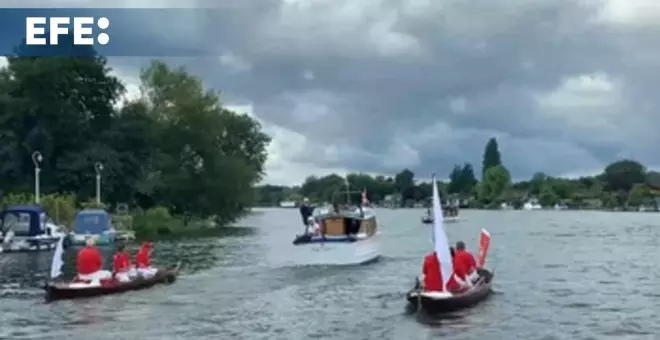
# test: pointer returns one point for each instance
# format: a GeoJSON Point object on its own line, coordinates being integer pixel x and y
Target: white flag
{"type": "Point", "coordinates": [56, 265]}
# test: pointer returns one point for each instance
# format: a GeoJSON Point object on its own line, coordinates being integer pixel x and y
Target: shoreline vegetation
{"type": "Point", "coordinates": [624, 185]}
{"type": "Point", "coordinates": [166, 155]}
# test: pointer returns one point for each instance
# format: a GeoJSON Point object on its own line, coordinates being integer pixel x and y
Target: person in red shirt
{"type": "Point", "coordinates": [433, 276]}
{"type": "Point", "coordinates": [143, 261]}
{"type": "Point", "coordinates": [89, 264]}
{"type": "Point", "coordinates": [467, 262]}
{"type": "Point", "coordinates": [121, 264]}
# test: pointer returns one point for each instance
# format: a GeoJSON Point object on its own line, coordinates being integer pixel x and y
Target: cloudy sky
{"type": "Point", "coordinates": [376, 86]}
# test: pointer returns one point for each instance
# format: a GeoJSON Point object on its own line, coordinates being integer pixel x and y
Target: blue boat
{"type": "Point", "coordinates": [95, 223]}
{"type": "Point", "coordinates": [25, 228]}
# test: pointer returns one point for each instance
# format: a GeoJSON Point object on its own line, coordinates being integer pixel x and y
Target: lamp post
{"type": "Point", "coordinates": [36, 159]}
{"type": "Point", "coordinates": [98, 167]}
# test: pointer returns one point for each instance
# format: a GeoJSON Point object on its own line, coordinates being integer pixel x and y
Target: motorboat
{"type": "Point", "coordinates": [27, 228]}
{"type": "Point", "coordinates": [94, 223]}
{"type": "Point", "coordinates": [347, 236]}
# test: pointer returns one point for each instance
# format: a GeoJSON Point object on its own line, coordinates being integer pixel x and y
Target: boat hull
{"type": "Point", "coordinates": [30, 244]}
{"type": "Point", "coordinates": [63, 290]}
{"type": "Point", "coordinates": [433, 305]}
{"type": "Point", "coordinates": [100, 240]}
{"type": "Point", "coordinates": [445, 219]}
{"type": "Point", "coordinates": [336, 253]}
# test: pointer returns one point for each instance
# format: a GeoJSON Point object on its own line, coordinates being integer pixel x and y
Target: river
{"type": "Point", "coordinates": [559, 275]}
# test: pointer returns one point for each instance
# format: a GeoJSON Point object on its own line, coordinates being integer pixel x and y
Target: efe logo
{"type": "Point", "coordinates": [83, 30]}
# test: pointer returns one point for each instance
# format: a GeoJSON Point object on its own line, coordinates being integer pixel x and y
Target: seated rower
{"type": "Point", "coordinates": [432, 276]}
{"type": "Point", "coordinates": [90, 264]}
{"type": "Point", "coordinates": [467, 261]}
{"type": "Point", "coordinates": [122, 269]}
{"type": "Point", "coordinates": [143, 261]}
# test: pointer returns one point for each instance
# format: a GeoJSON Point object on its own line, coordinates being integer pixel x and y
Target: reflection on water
{"type": "Point", "coordinates": [559, 275]}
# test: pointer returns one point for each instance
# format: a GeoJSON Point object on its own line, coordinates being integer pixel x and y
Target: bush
{"type": "Point", "coordinates": [155, 222]}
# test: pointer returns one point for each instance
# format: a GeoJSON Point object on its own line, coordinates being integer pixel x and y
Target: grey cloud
{"type": "Point", "coordinates": [386, 73]}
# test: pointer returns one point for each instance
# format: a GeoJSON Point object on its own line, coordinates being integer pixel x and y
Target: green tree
{"type": "Point", "coordinates": [623, 175]}
{"type": "Point", "coordinates": [492, 157]}
{"type": "Point", "coordinates": [547, 196]}
{"type": "Point", "coordinates": [455, 180]}
{"type": "Point", "coordinates": [468, 179]}
{"type": "Point", "coordinates": [496, 180]}
{"type": "Point", "coordinates": [638, 196]}
{"type": "Point", "coordinates": [201, 146]}
{"type": "Point", "coordinates": [404, 183]}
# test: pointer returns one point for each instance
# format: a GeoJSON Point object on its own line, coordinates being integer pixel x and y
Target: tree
{"type": "Point", "coordinates": [623, 175]}
{"type": "Point", "coordinates": [537, 183]}
{"type": "Point", "coordinates": [57, 106]}
{"type": "Point", "coordinates": [455, 180]}
{"type": "Point", "coordinates": [200, 146]}
{"type": "Point", "coordinates": [492, 157]}
{"type": "Point", "coordinates": [468, 179]}
{"type": "Point", "coordinates": [638, 196]}
{"type": "Point", "coordinates": [404, 183]}
{"type": "Point", "coordinates": [547, 196]}
{"type": "Point", "coordinates": [496, 180]}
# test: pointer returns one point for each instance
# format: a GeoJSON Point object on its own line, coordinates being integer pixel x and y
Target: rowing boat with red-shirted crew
{"type": "Point", "coordinates": [93, 280]}
{"type": "Point", "coordinates": [452, 279]}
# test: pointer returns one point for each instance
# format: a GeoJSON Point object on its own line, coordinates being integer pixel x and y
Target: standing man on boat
{"type": "Point", "coordinates": [122, 264]}
{"type": "Point", "coordinates": [90, 264]}
{"type": "Point", "coordinates": [143, 261]}
{"type": "Point", "coordinates": [467, 262]}
{"type": "Point", "coordinates": [306, 211]}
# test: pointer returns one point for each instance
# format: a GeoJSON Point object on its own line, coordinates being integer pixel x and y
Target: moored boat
{"type": "Point", "coordinates": [95, 223]}
{"type": "Point", "coordinates": [343, 237]}
{"type": "Point", "coordinates": [69, 290]}
{"type": "Point", "coordinates": [27, 228]}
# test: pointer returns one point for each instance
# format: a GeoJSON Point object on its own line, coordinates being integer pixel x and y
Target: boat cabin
{"type": "Point", "coordinates": [92, 222]}
{"type": "Point", "coordinates": [347, 224]}
{"type": "Point", "coordinates": [24, 221]}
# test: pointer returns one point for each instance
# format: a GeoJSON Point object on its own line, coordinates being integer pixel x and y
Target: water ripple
{"type": "Point", "coordinates": [559, 275]}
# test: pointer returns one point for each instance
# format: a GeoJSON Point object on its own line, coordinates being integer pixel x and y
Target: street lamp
{"type": "Point", "coordinates": [36, 159]}
{"type": "Point", "coordinates": [98, 167]}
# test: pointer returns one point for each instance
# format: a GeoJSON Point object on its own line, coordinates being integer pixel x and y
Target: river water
{"type": "Point", "coordinates": [559, 275]}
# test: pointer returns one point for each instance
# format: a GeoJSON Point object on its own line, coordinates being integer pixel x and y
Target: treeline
{"type": "Point", "coordinates": [622, 184]}
{"type": "Point", "coordinates": [176, 147]}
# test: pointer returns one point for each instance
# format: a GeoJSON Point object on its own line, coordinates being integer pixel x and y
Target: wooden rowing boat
{"type": "Point", "coordinates": [66, 290]}
{"type": "Point", "coordinates": [438, 302]}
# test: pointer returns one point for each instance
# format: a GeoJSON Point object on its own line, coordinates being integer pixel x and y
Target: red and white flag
{"type": "Point", "coordinates": [484, 243]}
{"type": "Point", "coordinates": [365, 200]}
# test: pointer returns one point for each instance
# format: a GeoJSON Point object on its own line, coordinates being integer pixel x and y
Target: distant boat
{"type": "Point", "coordinates": [532, 205]}
{"type": "Point", "coordinates": [95, 223]}
{"type": "Point", "coordinates": [288, 204]}
{"type": "Point", "coordinates": [27, 228]}
{"type": "Point", "coordinates": [450, 214]}
{"type": "Point", "coordinates": [346, 236]}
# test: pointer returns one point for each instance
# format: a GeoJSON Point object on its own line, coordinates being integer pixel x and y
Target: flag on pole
{"type": "Point", "coordinates": [484, 244]}
{"type": "Point", "coordinates": [56, 265]}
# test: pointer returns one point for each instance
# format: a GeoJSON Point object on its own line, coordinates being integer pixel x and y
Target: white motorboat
{"type": "Point", "coordinates": [27, 228]}
{"type": "Point", "coordinates": [348, 237]}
